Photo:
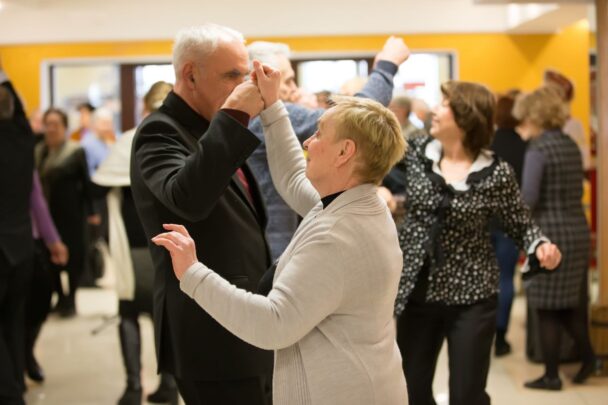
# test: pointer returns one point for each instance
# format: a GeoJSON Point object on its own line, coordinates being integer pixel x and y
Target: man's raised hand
{"type": "Point", "coordinates": [394, 50]}
{"type": "Point", "coordinates": [245, 97]}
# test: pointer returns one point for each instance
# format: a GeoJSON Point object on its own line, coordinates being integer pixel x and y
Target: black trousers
{"type": "Point", "coordinates": [14, 279]}
{"type": "Point", "coordinates": [38, 301]}
{"type": "Point", "coordinates": [250, 391]}
{"type": "Point", "coordinates": [74, 268]}
{"type": "Point", "coordinates": [469, 330]}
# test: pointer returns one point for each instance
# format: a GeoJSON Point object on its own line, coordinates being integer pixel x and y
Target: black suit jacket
{"type": "Point", "coordinates": [183, 171]}
{"type": "Point", "coordinates": [16, 173]}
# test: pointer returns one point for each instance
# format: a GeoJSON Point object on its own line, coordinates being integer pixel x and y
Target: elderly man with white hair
{"type": "Point", "coordinates": [188, 166]}
{"type": "Point", "coordinates": [282, 221]}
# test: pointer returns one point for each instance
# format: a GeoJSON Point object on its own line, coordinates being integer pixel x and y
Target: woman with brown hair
{"type": "Point", "coordinates": [553, 188]}
{"type": "Point", "coordinates": [449, 283]}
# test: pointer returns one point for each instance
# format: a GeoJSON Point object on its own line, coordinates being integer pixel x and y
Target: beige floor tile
{"type": "Point", "coordinates": [86, 369]}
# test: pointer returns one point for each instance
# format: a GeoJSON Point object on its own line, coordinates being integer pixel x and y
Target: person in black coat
{"type": "Point", "coordinates": [67, 188]}
{"type": "Point", "coordinates": [16, 242]}
{"type": "Point", "coordinates": [508, 145]}
{"type": "Point", "coordinates": [188, 166]}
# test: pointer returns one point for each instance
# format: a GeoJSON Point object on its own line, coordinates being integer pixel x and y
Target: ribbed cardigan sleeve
{"type": "Point", "coordinates": [308, 289]}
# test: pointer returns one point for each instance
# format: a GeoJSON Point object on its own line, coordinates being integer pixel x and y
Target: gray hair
{"type": "Point", "coordinates": [103, 114]}
{"type": "Point", "coordinates": [268, 52]}
{"type": "Point", "coordinates": [199, 42]}
{"type": "Point", "coordinates": [7, 104]}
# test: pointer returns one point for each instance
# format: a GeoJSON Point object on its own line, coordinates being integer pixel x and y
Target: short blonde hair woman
{"type": "Point", "coordinates": [374, 130]}
{"type": "Point", "coordinates": [329, 314]}
{"type": "Point", "coordinates": [543, 109]}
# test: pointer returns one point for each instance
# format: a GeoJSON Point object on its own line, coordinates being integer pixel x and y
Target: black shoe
{"type": "Point", "coordinates": [501, 348]}
{"type": "Point", "coordinates": [34, 371]}
{"type": "Point", "coordinates": [67, 309]}
{"type": "Point", "coordinates": [130, 397]}
{"type": "Point", "coordinates": [585, 372]}
{"type": "Point", "coordinates": [60, 304]}
{"type": "Point", "coordinates": [545, 383]}
{"type": "Point", "coordinates": [163, 396]}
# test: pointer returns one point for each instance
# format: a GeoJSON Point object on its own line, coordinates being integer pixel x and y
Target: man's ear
{"type": "Point", "coordinates": [188, 74]}
{"type": "Point", "coordinates": [347, 152]}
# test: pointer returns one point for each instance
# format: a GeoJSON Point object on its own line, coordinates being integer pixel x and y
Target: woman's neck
{"type": "Point", "coordinates": [455, 151]}
{"type": "Point", "coordinates": [55, 147]}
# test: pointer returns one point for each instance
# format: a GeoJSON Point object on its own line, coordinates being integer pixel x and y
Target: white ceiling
{"type": "Point", "coordinates": [41, 21]}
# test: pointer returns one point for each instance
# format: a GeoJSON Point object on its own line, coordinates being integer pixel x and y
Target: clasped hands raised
{"type": "Point", "coordinates": [260, 92]}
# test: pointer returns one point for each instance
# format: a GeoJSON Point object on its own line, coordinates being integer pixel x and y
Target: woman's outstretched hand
{"type": "Point", "coordinates": [180, 245]}
{"type": "Point", "coordinates": [548, 255]}
{"type": "Point", "coordinates": [268, 81]}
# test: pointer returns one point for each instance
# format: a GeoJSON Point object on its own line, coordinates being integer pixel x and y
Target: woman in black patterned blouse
{"type": "Point", "coordinates": [449, 284]}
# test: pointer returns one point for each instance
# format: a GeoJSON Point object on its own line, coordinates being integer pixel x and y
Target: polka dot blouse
{"type": "Point", "coordinates": [446, 225]}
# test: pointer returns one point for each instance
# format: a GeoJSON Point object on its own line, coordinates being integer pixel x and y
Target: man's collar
{"type": "Point", "coordinates": [180, 110]}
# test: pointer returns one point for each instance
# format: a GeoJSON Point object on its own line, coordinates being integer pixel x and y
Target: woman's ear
{"type": "Point", "coordinates": [348, 149]}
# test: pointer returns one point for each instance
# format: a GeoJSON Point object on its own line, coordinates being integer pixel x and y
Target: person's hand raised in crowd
{"type": "Point", "coordinates": [59, 253]}
{"type": "Point", "coordinates": [548, 255]}
{"type": "Point", "coordinates": [180, 245]}
{"type": "Point", "coordinates": [245, 97]}
{"type": "Point", "coordinates": [268, 81]}
{"type": "Point", "coordinates": [394, 50]}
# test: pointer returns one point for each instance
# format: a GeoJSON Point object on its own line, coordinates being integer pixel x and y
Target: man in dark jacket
{"type": "Point", "coordinates": [16, 242]}
{"type": "Point", "coordinates": [188, 167]}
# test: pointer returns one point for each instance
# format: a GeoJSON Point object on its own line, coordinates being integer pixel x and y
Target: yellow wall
{"type": "Point", "coordinates": [500, 61]}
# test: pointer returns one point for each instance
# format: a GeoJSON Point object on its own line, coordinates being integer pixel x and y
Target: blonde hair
{"type": "Point", "coordinates": [375, 131]}
{"type": "Point", "coordinates": [156, 95]}
{"type": "Point", "coordinates": [544, 107]}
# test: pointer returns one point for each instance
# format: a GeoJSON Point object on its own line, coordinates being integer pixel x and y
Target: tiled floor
{"type": "Point", "coordinates": [83, 368]}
